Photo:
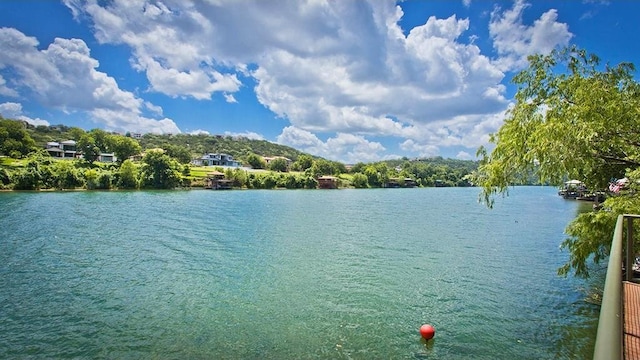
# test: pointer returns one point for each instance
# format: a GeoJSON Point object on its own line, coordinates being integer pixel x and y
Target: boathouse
{"type": "Point", "coordinates": [327, 182]}
{"type": "Point", "coordinates": [216, 181]}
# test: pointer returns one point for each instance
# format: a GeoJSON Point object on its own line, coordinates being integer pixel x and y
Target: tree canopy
{"type": "Point", "coordinates": [14, 139]}
{"type": "Point", "coordinates": [159, 171]}
{"type": "Point", "coordinates": [278, 164]}
{"type": "Point", "coordinates": [572, 118]}
{"type": "Point", "coordinates": [123, 147]}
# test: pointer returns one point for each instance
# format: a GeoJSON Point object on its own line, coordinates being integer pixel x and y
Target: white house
{"type": "Point", "coordinates": [269, 159]}
{"type": "Point", "coordinates": [107, 157]}
{"type": "Point", "coordinates": [214, 159]}
{"type": "Point", "coordinates": [65, 149]}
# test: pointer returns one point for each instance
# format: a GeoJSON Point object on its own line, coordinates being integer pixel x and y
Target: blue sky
{"type": "Point", "coordinates": [349, 80]}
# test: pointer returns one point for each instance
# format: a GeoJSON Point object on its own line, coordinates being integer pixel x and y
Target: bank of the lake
{"type": "Point", "coordinates": [289, 274]}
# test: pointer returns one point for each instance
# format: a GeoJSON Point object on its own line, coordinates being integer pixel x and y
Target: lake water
{"type": "Point", "coordinates": [292, 274]}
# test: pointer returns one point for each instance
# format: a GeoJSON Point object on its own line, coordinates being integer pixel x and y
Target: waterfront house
{"type": "Point", "coordinates": [65, 149]}
{"type": "Point", "coordinates": [410, 183]}
{"type": "Point", "coordinates": [327, 182]}
{"type": "Point", "coordinates": [107, 157]}
{"type": "Point", "coordinates": [269, 159]}
{"type": "Point", "coordinates": [216, 181]}
{"type": "Point", "coordinates": [215, 159]}
{"type": "Point", "coordinates": [397, 183]}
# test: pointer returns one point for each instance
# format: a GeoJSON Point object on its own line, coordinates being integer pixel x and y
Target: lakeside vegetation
{"type": "Point", "coordinates": [165, 162]}
{"type": "Point", "coordinates": [572, 119]}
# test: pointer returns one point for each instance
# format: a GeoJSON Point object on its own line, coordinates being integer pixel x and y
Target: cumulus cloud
{"type": "Point", "coordinates": [342, 67]}
{"type": "Point", "coordinates": [330, 67]}
{"type": "Point", "coordinates": [12, 110]}
{"type": "Point", "coordinates": [463, 155]}
{"type": "Point", "coordinates": [343, 147]}
{"type": "Point", "coordinates": [5, 90]}
{"type": "Point", "coordinates": [64, 76]}
{"type": "Point", "coordinates": [170, 43]}
{"type": "Point", "coordinates": [230, 98]}
{"type": "Point", "coordinates": [198, 132]}
{"type": "Point", "coordinates": [248, 135]}
{"type": "Point", "coordinates": [423, 150]}
{"type": "Point", "coordinates": [514, 41]}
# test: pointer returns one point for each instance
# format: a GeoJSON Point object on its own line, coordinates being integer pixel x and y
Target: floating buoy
{"type": "Point", "coordinates": [427, 331]}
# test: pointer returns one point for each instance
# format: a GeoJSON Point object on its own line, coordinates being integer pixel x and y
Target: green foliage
{"type": "Point", "coordinates": [179, 153]}
{"type": "Point", "coordinates": [360, 181]}
{"type": "Point", "coordinates": [255, 161]}
{"type": "Point", "coordinates": [374, 177]}
{"type": "Point", "coordinates": [123, 147]}
{"type": "Point", "coordinates": [27, 178]}
{"type": "Point", "coordinates": [183, 147]}
{"type": "Point", "coordinates": [102, 139]}
{"type": "Point", "coordinates": [97, 179]}
{"type": "Point", "coordinates": [238, 176]}
{"type": "Point", "coordinates": [91, 179]}
{"type": "Point", "coordinates": [159, 171]}
{"type": "Point", "coordinates": [570, 120]}
{"type": "Point", "coordinates": [88, 147]}
{"type": "Point", "coordinates": [75, 133]}
{"type": "Point", "coordinates": [105, 180]}
{"type": "Point", "coordinates": [310, 182]}
{"type": "Point", "coordinates": [5, 178]}
{"type": "Point", "coordinates": [426, 172]}
{"type": "Point", "coordinates": [358, 168]}
{"type": "Point", "coordinates": [269, 181]}
{"type": "Point", "coordinates": [322, 167]}
{"type": "Point", "coordinates": [128, 175]}
{"type": "Point", "coordinates": [65, 175]}
{"type": "Point", "coordinates": [15, 141]}
{"type": "Point", "coordinates": [303, 163]}
{"type": "Point", "coordinates": [278, 164]}
{"type": "Point", "coordinates": [238, 147]}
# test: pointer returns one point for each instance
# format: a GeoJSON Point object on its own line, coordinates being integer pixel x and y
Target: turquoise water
{"type": "Point", "coordinates": [344, 274]}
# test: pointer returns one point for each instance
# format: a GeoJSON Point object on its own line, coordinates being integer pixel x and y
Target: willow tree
{"type": "Point", "coordinates": [572, 118]}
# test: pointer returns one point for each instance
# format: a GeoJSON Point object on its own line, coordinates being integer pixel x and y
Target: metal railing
{"type": "Point", "coordinates": [609, 339]}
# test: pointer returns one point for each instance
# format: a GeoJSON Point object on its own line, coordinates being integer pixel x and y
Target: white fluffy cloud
{"type": "Point", "coordinates": [343, 147]}
{"type": "Point", "coordinates": [514, 41]}
{"type": "Point", "coordinates": [5, 90]}
{"type": "Point", "coordinates": [248, 135]}
{"type": "Point", "coordinates": [344, 68]}
{"type": "Point", "coordinates": [12, 110]}
{"type": "Point", "coordinates": [64, 76]}
{"type": "Point", "coordinates": [198, 132]}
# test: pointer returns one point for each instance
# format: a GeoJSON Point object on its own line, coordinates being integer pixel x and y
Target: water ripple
{"type": "Point", "coordinates": [288, 274]}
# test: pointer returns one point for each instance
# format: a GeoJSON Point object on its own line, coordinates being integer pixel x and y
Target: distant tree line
{"type": "Point", "coordinates": [166, 162]}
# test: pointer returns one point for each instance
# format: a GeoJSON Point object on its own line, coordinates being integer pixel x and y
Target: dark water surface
{"type": "Point", "coordinates": [346, 274]}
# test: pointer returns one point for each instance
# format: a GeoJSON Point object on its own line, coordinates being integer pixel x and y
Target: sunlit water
{"type": "Point", "coordinates": [289, 275]}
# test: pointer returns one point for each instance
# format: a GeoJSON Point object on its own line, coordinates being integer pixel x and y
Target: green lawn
{"type": "Point", "coordinates": [200, 171]}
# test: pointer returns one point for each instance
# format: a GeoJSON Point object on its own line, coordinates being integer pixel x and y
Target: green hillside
{"type": "Point", "coordinates": [196, 145]}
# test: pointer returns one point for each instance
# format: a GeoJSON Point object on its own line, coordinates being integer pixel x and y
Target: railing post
{"type": "Point", "coordinates": [609, 340]}
{"type": "Point", "coordinates": [630, 256]}
{"type": "Point", "coordinates": [608, 344]}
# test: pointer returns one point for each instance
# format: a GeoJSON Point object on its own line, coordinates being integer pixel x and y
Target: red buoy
{"type": "Point", "coordinates": [427, 331]}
